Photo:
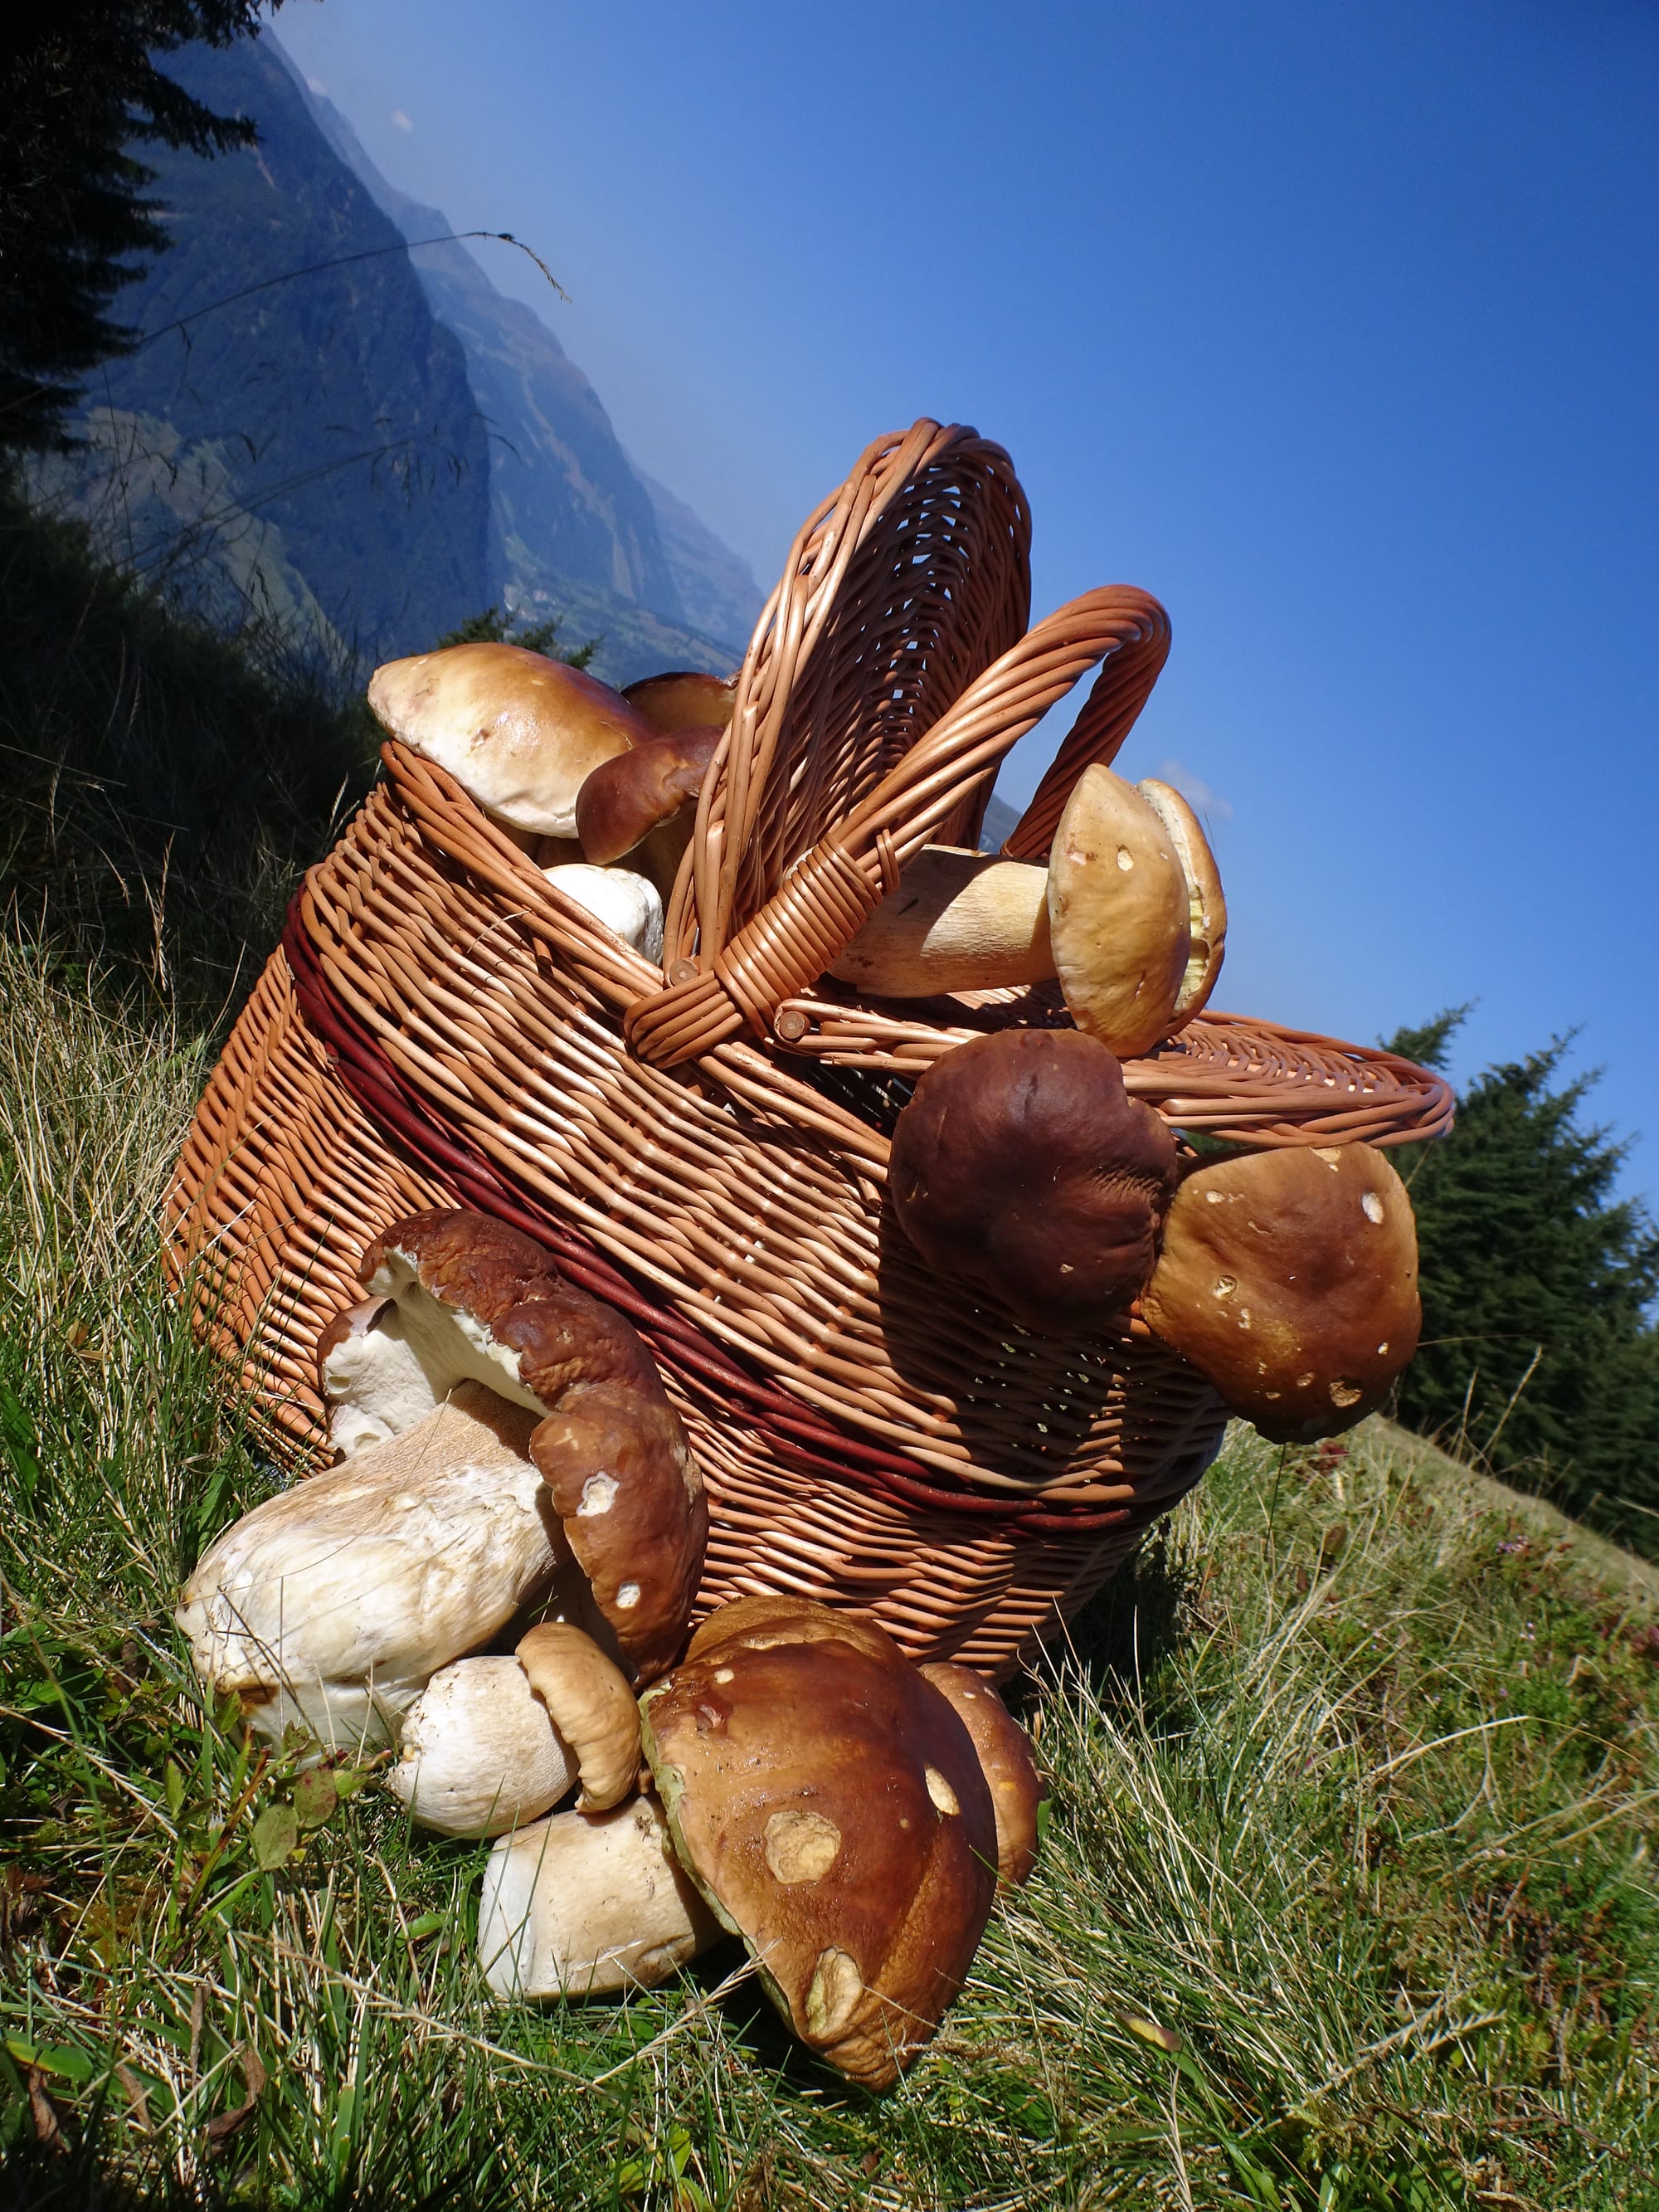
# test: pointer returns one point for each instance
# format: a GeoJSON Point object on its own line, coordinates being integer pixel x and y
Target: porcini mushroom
{"type": "Point", "coordinates": [470, 1297]}
{"type": "Point", "coordinates": [831, 1805]}
{"type": "Point", "coordinates": [1005, 1758]}
{"type": "Point", "coordinates": [517, 731]}
{"type": "Point", "coordinates": [1022, 1168]}
{"type": "Point", "coordinates": [640, 807]}
{"type": "Point", "coordinates": [491, 1743]}
{"type": "Point", "coordinates": [1110, 916]}
{"type": "Point", "coordinates": [1206, 902]}
{"type": "Point", "coordinates": [586, 1902]}
{"type": "Point", "coordinates": [332, 1604]}
{"type": "Point", "coordinates": [627, 902]}
{"type": "Point", "coordinates": [683, 699]}
{"type": "Point", "coordinates": [1290, 1278]}
{"type": "Point", "coordinates": [479, 1751]}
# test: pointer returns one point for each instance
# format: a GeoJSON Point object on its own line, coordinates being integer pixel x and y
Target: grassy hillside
{"type": "Point", "coordinates": [1347, 1898]}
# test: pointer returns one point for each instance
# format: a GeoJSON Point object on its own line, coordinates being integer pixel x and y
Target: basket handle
{"type": "Point", "coordinates": [831, 889]}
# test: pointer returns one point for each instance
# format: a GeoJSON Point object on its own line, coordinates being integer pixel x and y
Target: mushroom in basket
{"type": "Point", "coordinates": [505, 1434]}
{"type": "Point", "coordinates": [1021, 1166]}
{"type": "Point", "coordinates": [1129, 914]}
{"type": "Point", "coordinates": [1290, 1279]}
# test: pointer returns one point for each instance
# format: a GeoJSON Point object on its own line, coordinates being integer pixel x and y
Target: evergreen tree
{"type": "Point", "coordinates": [1538, 1352]}
{"type": "Point", "coordinates": [79, 87]}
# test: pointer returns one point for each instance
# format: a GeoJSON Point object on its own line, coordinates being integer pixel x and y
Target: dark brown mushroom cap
{"type": "Point", "coordinates": [1004, 1756]}
{"type": "Point", "coordinates": [1021, 1167]}
{"type": "Point", "coordinates": [683, 698]}
{"type": "Point", "coordinates": [1290, 1278]}
{"type": "Point", "coordinates": [628, 796]}
{"type": "Point", "coordinates": [829, 1804]}
{"type": "Point", "coordinates": [612, 1448]}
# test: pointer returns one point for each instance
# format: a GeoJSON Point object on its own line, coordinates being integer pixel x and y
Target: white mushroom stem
{"type": "Point", "coordinates": [480, 1753]}
{"type": "Point", "coordinates": [333, 1604]}
{"type": "Point", "coordinates": [1112, 916]}
{"type": "Point", "coordinates": [630, 905]}
{"type": "Point", "coordinates": [586, 1903]}
{"type": "Point", "coordinates": [957, 921]}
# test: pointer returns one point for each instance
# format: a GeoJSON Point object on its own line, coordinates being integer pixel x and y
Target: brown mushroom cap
{"type": "Point", "coordinates": [1118, 915]}
{"type": "Point", "coordinates": [1290, 1278]}
{"type": "Point", "coordinates": [829, 1805]}
{"type": "Point", "coordinates": [477, 1298]}
{"type": "Point", "coordinates": [519, 731]}
{"type": "Point", "coordinates": [1021, 1167]}
{"type": "Point", "coordinates": [1005, 1754]}
{"type": "Point", "coordinates": [683, 699]}
{"type": "Point", "coordinates": [1206, 917]}
{"type": "Point", "coordinates": [590, 1706]}
{"type": "Point", "coordinates": [628, 796]}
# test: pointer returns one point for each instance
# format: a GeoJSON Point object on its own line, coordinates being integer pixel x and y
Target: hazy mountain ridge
{"type": "Point", "coordinates": [333, 406]}
{"type": "Point", "coordinates": [568, 504]}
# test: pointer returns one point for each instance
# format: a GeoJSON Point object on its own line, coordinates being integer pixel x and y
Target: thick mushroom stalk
{"type": "Point", "coordinates": [587, 1903]}
{"type": "Point", "coordinates": [472, 1299]}
{"type": "Point", "coordinates": [479, 1753]}
{"type": "Point", "coordinates": [832, 1809]}
{"type": "Point", "coordinates": [1290, 1279]}
{"type": "Point", "coordinates": [333, 1604]}
{"type": "Point", "coordinates": [517, 731]}
{"type": "Point", "coordinates": [1112, 916]}
{"type": "Point", "coordinates": [627, 902]}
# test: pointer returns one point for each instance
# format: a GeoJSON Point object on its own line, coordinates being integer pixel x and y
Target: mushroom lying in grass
{"type": "Point", "coordinates": [831, 1805]}
{"type": "Point", "coordinates": [1290, 1279]}
{"type": "Point", "coordinates": [1004, 1757]}
{"type": "Point", "coordinates": [332, 1605]}
{"type": "Point", "coordinates": [519, 731]}
{"type": "Point", "coordinates": [493, 1742]}
{"type": "Point", "coordinates": [587, 1903]}
{"type": "Point", "coordinates": [467, 1296]}
{"type": "Point", "coordinates": [1129, 914]}
{"type": "Point", "coordinates": [1022, 1168]}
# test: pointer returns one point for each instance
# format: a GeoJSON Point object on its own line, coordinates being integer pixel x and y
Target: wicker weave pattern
{"type": "Point", "coordinates": [443, 1024]}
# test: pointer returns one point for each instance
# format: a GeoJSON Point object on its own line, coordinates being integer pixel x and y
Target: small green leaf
{"type": "Point", "coordinates": [75, 2065]}
{"type": "Point", "coordinates": [429, 1924]}
{"type": "Point", "coordinates": [275, 1836]}
{"type": "Point", "coordinates": [173, 1788]}
{"type": "Point", "coordinates": [1043, 1813]}
{"type": "Point", "coordinates": [349, 1780]}
{"type": "Point", "coordinates": [314, 1798]}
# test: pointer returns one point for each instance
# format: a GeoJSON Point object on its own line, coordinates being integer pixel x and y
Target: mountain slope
{"type": "Point", "coordinates": [332, 403]}
{"type": "Point", "coordinates": [568, 505]}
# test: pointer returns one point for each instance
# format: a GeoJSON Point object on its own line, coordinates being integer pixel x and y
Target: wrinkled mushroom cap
{"type": "Point", "coordinates": [476, 1298]}
{"type": "Point", "coordinates": [1118, 909]}
{"type": "Point", "coordinates": [683, 699]}
{"type": "Point", "coordinates": [1020, 1166]}
{"type": "Point", "coordinates": [1005, 1755]}
{"type": "Point", "coordinates": [333, 1603]}
{"type": "Point", "coordinates": [1290, 1279]}
{"type": "Point", "coordinates": [1206, 902]}
{"type": "Point", "coordinates": [519, 731]}
{"type": "Point", "coordinates": [831, 1805]}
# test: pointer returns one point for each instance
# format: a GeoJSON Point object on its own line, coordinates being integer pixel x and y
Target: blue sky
{"type": "Point", "coordinates": [1334, 325]}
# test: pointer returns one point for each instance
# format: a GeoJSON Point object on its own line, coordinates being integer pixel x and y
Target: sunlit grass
{"type": "Point", "coordinates": [1346, 1898]}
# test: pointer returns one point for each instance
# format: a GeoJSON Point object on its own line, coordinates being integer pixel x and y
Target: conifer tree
{"type": "Point", "coordinates": [79, 87]}
{"type": "Point", "coordinates": [1539, 1354]}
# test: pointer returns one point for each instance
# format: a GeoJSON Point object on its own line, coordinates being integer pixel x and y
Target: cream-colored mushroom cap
{"type": "Point", "coordinates": [479, 1753]}
{"type": "Point", "coordinates": [1206, 902]}
{"type": "Point", "coordinates": [519, 732]}
{"type": "Point", "coordinates": [334, 1603]}
{"type": "Point", "coordinates": [1118, 910]}
{"type": "Point", "coordinates": [586, 1902]}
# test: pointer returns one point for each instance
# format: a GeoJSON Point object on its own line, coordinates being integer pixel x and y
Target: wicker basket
{"type": "Point", "coordinates": [705, 1145]}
